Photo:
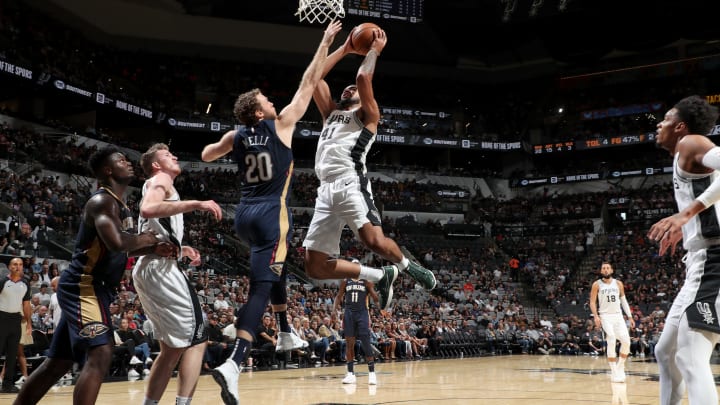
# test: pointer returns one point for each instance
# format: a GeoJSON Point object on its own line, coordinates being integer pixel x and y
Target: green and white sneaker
{"type": "Point", "coordinates": [423, 276]}
{"type": "Point", "coordinates": [385, 286]}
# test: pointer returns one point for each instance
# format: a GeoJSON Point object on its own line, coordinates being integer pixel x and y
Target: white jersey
{"type": "Point", "coordinates": [702, 230]}
{"type": "Point", "coordinates": [164, 290]}
{"type": "Point", "coordinates": [173, 227]}
{"type": "Point", "coordinates": [609, 298]}
{"type": "Point", "coordinates": [342, 147]}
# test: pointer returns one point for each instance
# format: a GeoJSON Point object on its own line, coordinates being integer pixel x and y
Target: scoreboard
{"type": "Point", "coordinates": [564, 146]}
{"type": "Point", "coordinates": [594, 143]}
{"type": "Point", "coordinates": [399, 10]}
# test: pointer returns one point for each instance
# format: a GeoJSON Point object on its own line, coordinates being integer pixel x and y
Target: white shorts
{"type": "Point", "coordinates": [344, 201]}
{"type": "Point", "coordinates": [699, 294]}
{"type": "Point", "coordinates": [168, 301]}
{"type": "Point", "coordinates": [615, 324]}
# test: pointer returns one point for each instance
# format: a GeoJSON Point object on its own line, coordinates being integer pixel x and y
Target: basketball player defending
{"type": "Point", "coordinates": [262, 150]}
{"type": "Point", "coordinates": [356, 323]}
{"type": "Point", "coordinates": [611, 294]}
{"type": "Point", "coordinates": [89, 284]}
{"type": "Point", "coordinates": [165, 292]}
{"type": "Point", "coordinates": [691, 328]}
{"type": "Point", "coordinates": [344, 196]}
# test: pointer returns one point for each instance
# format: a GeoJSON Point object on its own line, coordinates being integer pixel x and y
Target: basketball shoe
{"type": "Point", "coordinates": [227, 376]}
{"type": "Point", "coordinates": [423, 276]}
{"type": "Point", "coordinates": [385, 286]}
{"type": "Point", "coordinates": [372, 378]}
{"type": "Point", "coordinates": [349, 378]}
{"type": "Point", "coordinates": [289, 341]}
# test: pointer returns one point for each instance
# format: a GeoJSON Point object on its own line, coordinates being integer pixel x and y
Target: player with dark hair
{"type": "Point", "coordinates": [691, 328]}
{"type": "Point", "coordinates": [355, 294]}
{"type": "Point", "coordinates": [344, 196]}
{"type": "Point", "coordinates": [607, 303]}
{"type": "Point", "coordinates": [88, 286]}
{"type": "Point", "coordinates": [262, 150]}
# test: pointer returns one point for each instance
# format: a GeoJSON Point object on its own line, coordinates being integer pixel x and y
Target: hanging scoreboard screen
{"type": "Point", "coordinates": [398, 10]}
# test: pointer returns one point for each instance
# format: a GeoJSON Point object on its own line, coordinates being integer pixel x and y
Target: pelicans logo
{"type": "Point", "coordinates": [93, 330]}
{"type": "Point", "coordinates": [277, 268]}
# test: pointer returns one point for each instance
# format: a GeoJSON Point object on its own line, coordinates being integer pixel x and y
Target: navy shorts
{"type": "Point", "coordinates": [265, 225]}
{"type": "Point", "coordinates": [86, 320]}
{"type": "Point", "coordinates": [356, 323]}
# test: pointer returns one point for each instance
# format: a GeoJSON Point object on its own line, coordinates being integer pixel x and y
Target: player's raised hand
{"type": "Point", "coordinates": [332, 29]}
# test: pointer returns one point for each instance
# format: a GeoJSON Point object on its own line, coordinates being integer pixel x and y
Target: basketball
{"type": "Point", "coordinates": [363, 36]}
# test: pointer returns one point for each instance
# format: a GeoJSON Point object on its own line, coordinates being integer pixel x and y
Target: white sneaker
{"type": "Point", "coordinates": [135, 361]}
{"type": "Point", "coordinates": [133, 374]}
{"type": "Point", "coordinates": [349, 378]}
{"type": "Point", "coordinates": [148, 361]}
{"type": "Point", "coordinates": [372, 378]}
{"type": "Point", "coordinates": [227, 375]}
{"type": "Point", "coordinates": [619, 376]}
{"type": "Point", "coordinates": [613, 372]}
{"type": "Point", "coordinates": [20, 381]}
{"type": "Point", "coordinates": [289, 341]}
{"type": "Point", "coordinates": [146, 372]}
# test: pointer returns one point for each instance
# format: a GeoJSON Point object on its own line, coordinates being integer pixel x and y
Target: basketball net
{"type": "Point", "coordinates": [319, 11]}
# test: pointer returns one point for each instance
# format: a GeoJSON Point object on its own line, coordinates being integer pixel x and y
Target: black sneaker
{"type": "Point", "coordinates": [10, 389]}
{"type": "Point", "coordinates": [385, 286]}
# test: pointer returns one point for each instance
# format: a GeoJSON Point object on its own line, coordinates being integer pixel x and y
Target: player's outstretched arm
{"type": "Point", "coordinates": [289, 116]}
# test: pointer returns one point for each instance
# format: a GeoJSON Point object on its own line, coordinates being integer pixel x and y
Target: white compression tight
{"type": "Point", "coordinates": [615, 329]}
{"type": "Point", "coordinates": [694, 349]}
{"type": "Point", "coordinates": [683, 356]}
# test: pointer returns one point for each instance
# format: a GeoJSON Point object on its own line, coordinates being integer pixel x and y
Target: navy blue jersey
{"type": "Point", "coordinates": [93, 258]}
{"type": "Point", "coordinates": [356, 296]}
{"type": "Point", "coordinates": [265, 164]}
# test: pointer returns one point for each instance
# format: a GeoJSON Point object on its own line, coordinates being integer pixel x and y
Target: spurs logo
{"type": "Point", "coordinates": [704, 310]}
{"type": "Point", "coordinates": [93, 330]}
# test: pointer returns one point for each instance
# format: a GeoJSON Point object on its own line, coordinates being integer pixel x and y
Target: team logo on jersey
{"type": "Point", "coordinates": [93, 330]}
{"type": "Point", "coordinates": [200, 332]}
{"type": "Point", "coordinates": [128, 223]}
{"type": "Point", "coordinates": [706, 312]}
{"type": "Point", "coordinates": [276, 268]}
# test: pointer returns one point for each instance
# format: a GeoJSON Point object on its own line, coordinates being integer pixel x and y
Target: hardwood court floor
{"type": "Point", "coordinates": [511, 380]}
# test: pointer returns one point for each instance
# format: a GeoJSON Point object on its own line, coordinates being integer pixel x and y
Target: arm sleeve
{"type": "Point", "coordinates": [711, 195]}
{"type": "Point", "coordinates": [625, 306]}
